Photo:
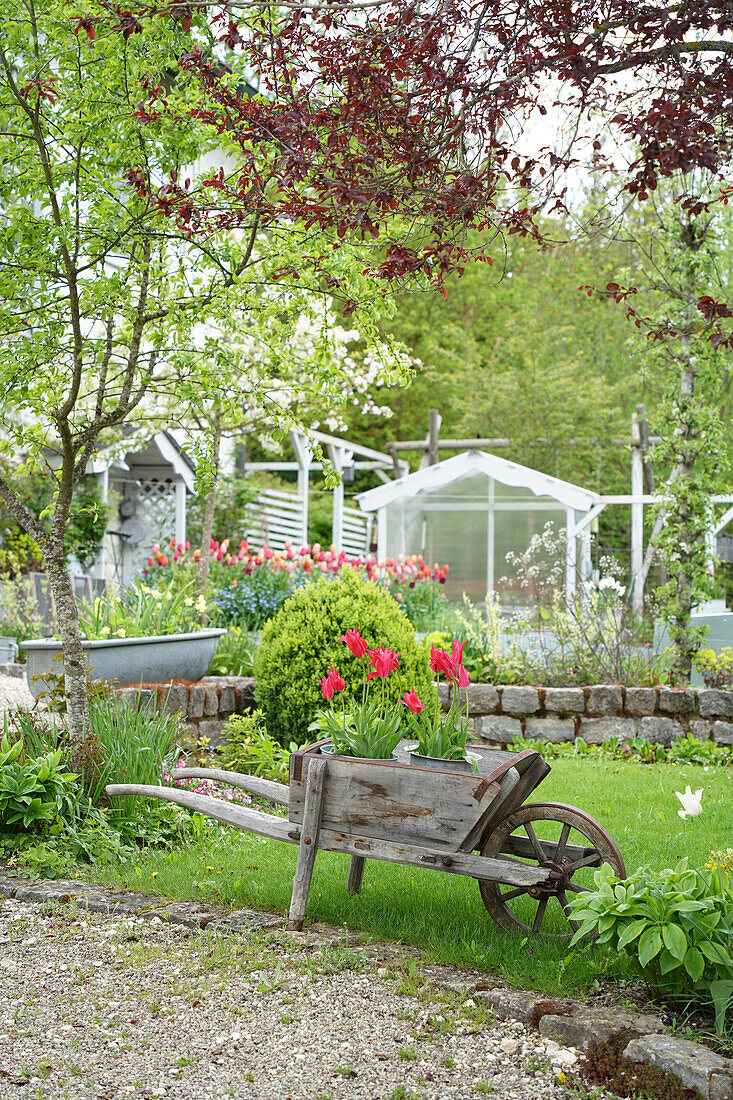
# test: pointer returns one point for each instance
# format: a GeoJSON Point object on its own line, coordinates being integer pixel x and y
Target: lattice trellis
{"type": "Point", "coordinates": [155, 509]}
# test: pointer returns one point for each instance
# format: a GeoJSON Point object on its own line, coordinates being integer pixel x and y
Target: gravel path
{"type": "Point", "coordinates": [95, 1006]}
{"type": "Point", "coordinates": [14, 693]}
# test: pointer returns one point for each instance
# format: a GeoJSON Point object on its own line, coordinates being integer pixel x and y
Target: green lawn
{"type": "Point", "coordinates": [444, 913]}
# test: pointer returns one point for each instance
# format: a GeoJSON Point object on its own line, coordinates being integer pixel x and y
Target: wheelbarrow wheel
{"type": "Point", "coordinates": [568, 843]}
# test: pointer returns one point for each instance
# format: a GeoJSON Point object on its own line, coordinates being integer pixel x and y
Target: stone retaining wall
{"type": "Point", "coordinates": [204, 706]}
{"type": "Point", "coordinates": [598, 713]}
{"type": "Point", "coordinates": [497, 714]}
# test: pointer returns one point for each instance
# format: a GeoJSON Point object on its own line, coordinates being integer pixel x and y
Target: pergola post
{"type": "Point", "coordinates": [181, 512]}
{"type": "Point", "coordinates": [339, 457]}
{"type": "Point", "coordinates": [571, 554]}
{"type": "Point", "coordinates": [303, 457]}
{"type": "Point", "coordinates": [637, 521]}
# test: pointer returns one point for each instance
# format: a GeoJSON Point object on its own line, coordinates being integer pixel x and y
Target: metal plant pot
{"type": "Point", "coordinates": [155, 659]}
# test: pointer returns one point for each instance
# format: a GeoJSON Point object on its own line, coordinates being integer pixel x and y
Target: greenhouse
{"type": "Point", "coordinates": [471, 511]}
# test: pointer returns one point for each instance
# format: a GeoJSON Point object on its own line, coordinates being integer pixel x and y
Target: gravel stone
{"type": "Point", "coordinates": [14, 693]}
{"type": "Point", "coordinates": [102, 1007]}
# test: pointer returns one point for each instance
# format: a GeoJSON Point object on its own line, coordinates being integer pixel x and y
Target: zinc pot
{"type": "Point", "coordinates": [327, 751]}
{"type": "Point", "coordinates": [155, 659]}
{"type": "Point", "coordinates": [458, 764]}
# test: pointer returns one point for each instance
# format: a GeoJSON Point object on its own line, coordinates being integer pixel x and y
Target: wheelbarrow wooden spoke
{"type": "Point", "coordinates": [509, 894]}
{"type": "Point", "coordinates": [586, 861]}
{"type": "Point", "coordinates": [563, 899]}
{"type": "Point", "coordinates": [578, 889]}
{"type": "Point", "coordinates": [539, 915]}
{"type": "Point", "coordinates": [562, 843]}
{"type": "Point", "coordinates": [538, 849]}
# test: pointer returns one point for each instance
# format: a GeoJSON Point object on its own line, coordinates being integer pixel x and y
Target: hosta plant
{"type": "Point", "coordinates": [33, 792]}
{"type": "Point", "coordinates": [675, 924]}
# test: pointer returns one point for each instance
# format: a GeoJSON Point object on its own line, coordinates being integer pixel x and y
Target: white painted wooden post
{"type": "Point", "coordinates": [637, 521]}
{"type": "Point", "coordinates": [571, 554]}
{"type": "Point", "coordinates": [381, 534]}
{"type": "Point", "coordinates": [491, 536]}
{"type": "Point", "coordinates": [181, 512]}
{"type": "Point", "coordinates": [340, 457]}
{"type": "Point", "coordinates": [303, 457]}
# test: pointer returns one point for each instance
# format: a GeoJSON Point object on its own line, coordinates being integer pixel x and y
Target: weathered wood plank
{"type": "Point", "coordinates": [308, 845]}
{"type": "Point", "coordinates": [522, 847]}
{"type": "Point", "coordinates": [253, 821]}
{"type": "Point", "coordinates": [254, 784]}
{"type": "Point", "coordinates": [509, 781]}
{"type": "Point", "coordinates": [417, 855]}
{"type": "Point", "coordinates": [356, 874]}
{"type": "Point", "coordinates": [402, 802]}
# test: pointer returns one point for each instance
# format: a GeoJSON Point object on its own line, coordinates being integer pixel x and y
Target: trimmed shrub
{"type": "Point", "coordinates": [302, 641]}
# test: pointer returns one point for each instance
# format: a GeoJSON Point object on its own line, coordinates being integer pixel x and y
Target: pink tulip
{"type": "Point", "coordinates": [412, 702]}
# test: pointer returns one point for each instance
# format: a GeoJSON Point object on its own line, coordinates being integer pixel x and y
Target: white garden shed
{"type": "Point", "coordinates": [471, 510]}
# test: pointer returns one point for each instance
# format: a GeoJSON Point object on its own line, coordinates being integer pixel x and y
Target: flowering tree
{"type": "Point", "coordinates": [260, 379]}
{"type": "Point", "coordinates": [98, 293]}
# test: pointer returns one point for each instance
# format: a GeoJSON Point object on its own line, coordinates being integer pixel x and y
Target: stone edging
{"type": "Point", "coordinates": [566, 1022]}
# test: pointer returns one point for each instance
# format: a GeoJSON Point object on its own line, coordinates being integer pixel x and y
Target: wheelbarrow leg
{"type": "Point", "coordinates": [356, 874]}
{"type": "Point", "coordinates": [312, 808]}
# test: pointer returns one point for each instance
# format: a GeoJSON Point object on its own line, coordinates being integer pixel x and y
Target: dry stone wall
{"type": "Point", "coordinates": [599, 712]}
{"type": "Point", "coordinates": [497, 714]}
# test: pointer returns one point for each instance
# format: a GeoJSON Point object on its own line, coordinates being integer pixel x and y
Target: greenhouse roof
{"type": "Point", "coordinates": [469, 463]}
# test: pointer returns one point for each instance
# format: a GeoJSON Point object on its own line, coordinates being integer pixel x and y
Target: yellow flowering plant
{"type": "Point", "coordinates": [142, 610]}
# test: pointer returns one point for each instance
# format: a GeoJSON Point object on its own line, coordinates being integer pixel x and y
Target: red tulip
{"type": "Point", "coordinates": [355, 642]}
{"type": "Point", "coordinates": [327, 688]}
{"type": "Point", "coordinates": [336, 679]}
{"type": "Point", "coordinates": [384, 661]}
{"type": "Point", "coordinates": [463, 680]}
{"type": "Point", "coordinates": [441, 662]}
{"type": "Point", "coordinates": [412, 702]}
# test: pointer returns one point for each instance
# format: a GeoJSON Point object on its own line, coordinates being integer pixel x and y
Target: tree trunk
{"type": "Point", "coordinates": [73, 655]}
{"type": "Point", "coordinates": [209, 508]}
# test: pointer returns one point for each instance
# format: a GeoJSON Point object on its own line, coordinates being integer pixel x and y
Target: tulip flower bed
{"type": "Point", "coordinates": [443, 914]}
{"type": "Point", "coordinates": [248, 585]}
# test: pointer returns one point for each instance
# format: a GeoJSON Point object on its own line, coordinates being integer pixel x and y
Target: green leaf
{"type": "Point", "coordinates": [722, 994]}
{"type": "Point", "coordinates": [631, 932]}
{"type": "Point", "coordinates": [650, 945]}
{"type": "Point", "coordinates": [694, 963]}
{"type": "Point", "coordinates": [675, 940]}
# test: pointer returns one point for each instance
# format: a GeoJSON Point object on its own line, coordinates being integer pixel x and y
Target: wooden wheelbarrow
{"type": "Point", "coordinates": [527, 857]}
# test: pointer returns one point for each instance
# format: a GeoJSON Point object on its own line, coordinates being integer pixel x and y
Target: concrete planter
{"type": "Point", "coordinates": [8, 650]}
{"type": "Point", "coordinates": [154, 659]}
